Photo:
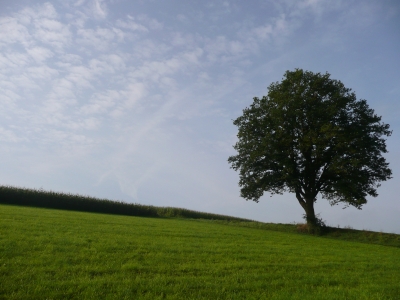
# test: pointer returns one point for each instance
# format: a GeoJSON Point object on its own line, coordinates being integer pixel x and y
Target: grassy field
{"type": "Point", "coordinates": [50, 199]}
{"type": "Point", "coordinates": [55, 254]}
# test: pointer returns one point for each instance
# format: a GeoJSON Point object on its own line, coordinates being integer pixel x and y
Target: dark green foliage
{"type": "Point", "coordinates": [49, 199]}
{"type": "Point", "coordinates": [311, 135]}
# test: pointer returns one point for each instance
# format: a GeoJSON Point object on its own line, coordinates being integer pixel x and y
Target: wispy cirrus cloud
{"type": "Point", "coordinates": [13, 32]}
{"type": "Point", "coordinates": [86, 76]}
{"type": "Point", "coordinates": [99, 8]}
{"type": "Point", "coordinates": [52, 33]}
{"type": "Point", "coordinates": [104, 38]}
{"type": "Point", "coordinates": [131, 25]}
{"type": "Point", "coordinates": [40, 54]}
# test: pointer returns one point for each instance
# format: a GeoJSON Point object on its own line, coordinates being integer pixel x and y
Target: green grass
{"type": "Point", "coordinates": [345, 234]}
{"type": "Point", "coordinates": [55, 254]}
{"type": "Point", "coordinates": [50, 199]}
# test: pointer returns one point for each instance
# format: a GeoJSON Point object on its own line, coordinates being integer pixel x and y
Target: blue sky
{"type": "Point", "coordinates": [134, 100]}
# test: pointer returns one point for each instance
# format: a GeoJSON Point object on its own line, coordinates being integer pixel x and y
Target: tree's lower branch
{"type": "Point", "coordinates": [300, 198]}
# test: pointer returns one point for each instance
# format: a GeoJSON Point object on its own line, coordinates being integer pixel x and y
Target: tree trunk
{"type": "Point", "coordinates": [310, 214]}
{"type": "Point", "coordinates": [308, 205]}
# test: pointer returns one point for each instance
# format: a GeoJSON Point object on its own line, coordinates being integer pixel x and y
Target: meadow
{"type": "Point", "coordinates": [59, 254]}
{"type": "Point", "coordinates": [50, 199]}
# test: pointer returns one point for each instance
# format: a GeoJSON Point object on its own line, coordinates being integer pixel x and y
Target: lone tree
{"type": "Point", "coordinates": [311, 135]}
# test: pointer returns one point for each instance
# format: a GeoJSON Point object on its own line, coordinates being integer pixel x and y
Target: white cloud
{"type": "Point", "coordinates": [134, 93]}
{"type": "Point", "coordinates": [180, 39]}
{"type": "Point", "coordinates": [314, 9]}
{"type": "Point", "coordinates": [53, 33]}
{"type": "Point", "coordinates": [222, 50]}
{"type": "Point", "coordinates": [32, 25]}
{"type": "Point", "coordinates": [270, 32]}
{"type": "Point", "coordinates": [72, 144]}
{"type": "Point", "coordinates": [313, 4]}
{"type": "Point", "coordinates": [9, 136]}
{"type": "Point", "coordinates": [100, 66]}
{"type": "Point", "coordinates": [81, 76]}
{"type": "Point", "coordinates": [149, 66]}
{"type": "Point", "coordinates": [101, 102]}
{"type": "Point", "coordinates": [120, 35]}
{"type": "Point", "coordinates": [71, 59]}
{"type": "Point", "coordinates": [40, 54]}
{"type": "Point", "coordinates": [98, 39]}
{"type": "Point", "coordinates": [100, 9]}
{"type": "Point", "coordinates": [154, 70]}
{"type": "Point", "coordinates": [182, 18]}
{"type": "Point", "coordinates": [131, 25]}
{"type": "Point", "coordinates": [25, 83]}
{"type": "Point", "coordinates": [13, 62]}
{"type": "Point", "coordinates": [42, 73]}
{"type": "Point", "coordinates": [62, 88]}
{"type": "Point", "coordinates": [77, 19]}
{"type": "Point", "coordinates": [13, 32]}
{"type": "Point", "coordinates": [8, 103]}
{"type": "Point", "coordinates": [149, 50]}
{"type": "Point", "coordinates": [115, 60]}
{"type": "Point", "coordinates": [84, 124]}
{"type": "Point", "coordinates": [79, 2]}
{"type": "Point", "coordinates": [45, 10]}
{"type": "Point", "coordinates": [150, 22]}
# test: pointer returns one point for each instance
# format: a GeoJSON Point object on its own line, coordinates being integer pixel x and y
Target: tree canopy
{"type": "Point", "coordinates": [310, 136]}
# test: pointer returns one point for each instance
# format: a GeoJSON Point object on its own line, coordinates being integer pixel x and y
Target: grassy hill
{"type": "Point", "coordinates": [50, 199]}
{"type": "Point", "coordinates": [59, 254]}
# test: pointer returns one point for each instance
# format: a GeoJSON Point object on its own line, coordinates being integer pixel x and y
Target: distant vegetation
{"type": "Point", "coordinates": [49, 199]}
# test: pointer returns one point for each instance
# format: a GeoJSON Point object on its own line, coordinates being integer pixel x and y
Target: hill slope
{"type": "Point", "coordinates": [55, 254]}
{"type": "Point", "coordinates": [48, 199]}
